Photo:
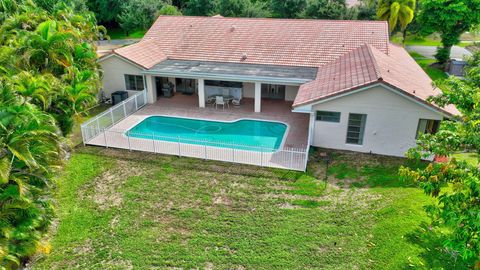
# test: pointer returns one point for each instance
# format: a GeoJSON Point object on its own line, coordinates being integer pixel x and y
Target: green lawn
{"type": "Point", "coordinates": [434, 73]}
{"type": "Point", "coordinates": [471, 158]}
{"type": "Point", "coordinates": [120, 209]}
{"type": "Point", "coordinates": [118, 33]}
{"type": "Point", "coordinates": [424, 41]}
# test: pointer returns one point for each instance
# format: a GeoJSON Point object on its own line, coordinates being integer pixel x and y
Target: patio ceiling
{"type": "Point", "coordinates": [233, 71]}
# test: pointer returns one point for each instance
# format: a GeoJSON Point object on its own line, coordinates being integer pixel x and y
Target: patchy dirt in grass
{"type": "Point", "coordinates": [221, 198]}
{"type": "Point", "coordinates": [105, 187]}
{"type": "Point", "coordinates": [118, 264]}
{"type": "Point", "coordinates": [287, 205]}
{"type": "Point", "coordinates": [85, 248]}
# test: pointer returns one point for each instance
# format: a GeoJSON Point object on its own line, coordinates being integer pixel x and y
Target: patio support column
{"type": "Point", "coordinates": [258, 96]}
{"type": "Point", "coordinates": [201, 93]}
{"type": "Point", "coordinates": [151, 91]}
{"type": "Point", "coordinates": [311, 128]}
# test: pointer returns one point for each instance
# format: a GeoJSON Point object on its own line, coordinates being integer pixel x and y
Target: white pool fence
{"type": "Point", "coordinates": [98, 131]}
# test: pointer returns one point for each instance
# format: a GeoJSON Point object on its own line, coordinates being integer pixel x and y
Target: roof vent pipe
{"type": "Point", "coordinates": [232, 28]}
{"type": "Point", "coordinates": [244, 56]}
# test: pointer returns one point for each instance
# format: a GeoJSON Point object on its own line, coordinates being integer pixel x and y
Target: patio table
{"type": "Point", "coordinates": [227, 98]}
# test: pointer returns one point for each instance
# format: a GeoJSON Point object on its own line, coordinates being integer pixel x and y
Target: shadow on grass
{"type": "Point", "coordinates": [434, 254]}
{"type": "Point", "coordinates": [368, 170]}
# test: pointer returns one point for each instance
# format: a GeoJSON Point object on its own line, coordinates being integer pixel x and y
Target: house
{"type": "Point", "coordinates": [341, 84]}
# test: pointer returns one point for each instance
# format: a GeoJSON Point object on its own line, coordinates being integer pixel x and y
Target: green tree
{"type": "Point", "coordinates": [329, 9]}
{"type": "Point", "coordinates": [29, 153]}
{"type": "Point", "coordinates": [287, 8]}
{"type": "Point", "coordinates": [200, 7]}
{"type": "Point", "coordinates": [450, 18]}
{"type": "Point", "coordinates": [455, 184]}
{"type": "Point", "coordinates": [138, 14]}
{"type": "Point", "coordinates": [48, 76]}
{"type": "Point", "coordinates": [256, 9]}
{"type": "Point", "coordinates": [169, 10]}
{"type": "Point", "coordinates": [106, 11]}
{"type": "Point", "coordinates": [397, 13]}
{"type": "Point", "coordinates": [242, 8]}
{"type": "Point", "coordinates": [232, 8]}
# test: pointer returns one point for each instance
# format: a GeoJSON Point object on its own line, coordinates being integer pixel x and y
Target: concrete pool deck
{"type": "Point", "coordinates": [187, 106]}
{"type": "Point", "coordinates": [293, 155]}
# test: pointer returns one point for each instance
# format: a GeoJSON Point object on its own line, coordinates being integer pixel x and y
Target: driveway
{"type": "Point", "coordinates": [105, 46]}
{"type": "Point", "coordinates": [429, 51]}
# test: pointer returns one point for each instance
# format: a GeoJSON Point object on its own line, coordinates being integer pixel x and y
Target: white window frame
{"type": "Point", "coordinates": [361, 132]}
{"type": "Point", "coordinates": [422, 126]}
{"type": "Point", "coordinates": [125, 82]}
{"type": "Point", "coordinates": [331, 117]}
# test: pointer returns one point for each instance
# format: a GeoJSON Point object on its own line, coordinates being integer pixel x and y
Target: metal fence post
{"type": "Point", "coordinates": [124, 110]}
{"type": "Point", "coordinates": [128, 139]}
{"type": "Point", "coordinates": [233, 154]}
{"type": "Point", "coordinates": [205, 149]}
{"type": "Point", "coordinates": [111, 114]}
{"type": "Point", "coordinates": [98, 126]}
{"type": "Point", "coordinates": [136, 104]}
{"type": "Point", "coordinates": [105, 137]}
{"type": "Point", "coordinates": [291, 158]}
{"type": "Point", "coordinates": [178, 143]}
{"type": "Point", "coordinates": [153, 140]}
{"type": "Point", "coordinates": [261, 156]}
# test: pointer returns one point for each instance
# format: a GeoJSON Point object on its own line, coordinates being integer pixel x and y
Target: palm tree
{"type": "Point", "coordinates": [396, 12]}
{"type": "Point", "coordinates": [35, 89]}
{"type": "Point", "coordinates": [29, 152]}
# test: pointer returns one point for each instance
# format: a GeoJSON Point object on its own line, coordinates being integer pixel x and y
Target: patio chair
{"type": "Point", "coordinates": [220, 101]}
{"type": "Point", "coordinates": [236, 101]}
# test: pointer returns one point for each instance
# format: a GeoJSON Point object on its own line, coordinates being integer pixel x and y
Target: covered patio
{"type": "Point", "coordinates": [231, 81]}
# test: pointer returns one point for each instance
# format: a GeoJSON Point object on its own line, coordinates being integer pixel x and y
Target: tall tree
{"type": "Point", "coordinates": [200, 7]}
{"type": "Point", "coordinates": [169, 10]}
{"type": "Point", "coordinates": [29, 154]}
{"type": "Point", "coordinates": [48, 76]}
{"type": "Point", "coordinates": [232, 8]}
{"type": "Point", "coordinates": [256, 9]}
{"type": "Point", "coordinates": [329, 9]}
{"type": "Point", "coordinates": [397, 13]}
{"type": "Point", "coordinates": [106, 11]}
{"type": "Point", "coordinates": [450, 18]}
{"type": "Point", "coordinates": [139, 14]}
{"type": "Point", "coordinates": [455, 184]}
{"type": "Point", "coordinates": [287, 8]}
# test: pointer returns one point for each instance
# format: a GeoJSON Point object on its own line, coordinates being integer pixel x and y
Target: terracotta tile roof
{"type": "Point", "coordinates": [348, 54]}
{"type": "Point", "coordinates": [367, 65]}
{"type": "Point", "coordinates": [145, 53]}
{"type": "Point", "coordinates": [263, 41]}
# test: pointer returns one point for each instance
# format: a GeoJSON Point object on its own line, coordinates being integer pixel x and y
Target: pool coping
{"type": "Point", "coordinates": [284, 137]}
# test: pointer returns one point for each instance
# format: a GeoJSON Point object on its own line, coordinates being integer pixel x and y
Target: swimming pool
{"type": "Point", "coordinates": [253, 135]}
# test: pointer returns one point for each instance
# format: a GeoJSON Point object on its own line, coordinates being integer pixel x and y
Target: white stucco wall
{"type": "Point", "coordinates": [291, 92]}
{"type": "Point", "coordinates": [390, 127]}
{"type": "Point", "coordinates": [114, 70]}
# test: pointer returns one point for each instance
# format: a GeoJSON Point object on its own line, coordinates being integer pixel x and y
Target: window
{"type": "Point", "coordinates": [134, 82]}
{"type": "Point", "coordinates": [328, 116]}
{"type": "Point", "coordinates": [356, 128]}
{"type": "Point", "coordinates": [427, 126]}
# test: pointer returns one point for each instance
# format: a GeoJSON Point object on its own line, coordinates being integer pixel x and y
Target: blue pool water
{"type": "Point", "coordinates": [250, 135]}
